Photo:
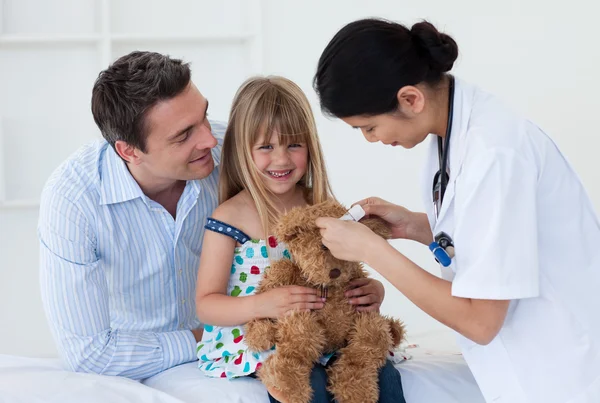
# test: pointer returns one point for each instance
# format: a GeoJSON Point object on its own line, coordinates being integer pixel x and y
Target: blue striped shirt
{"type": "Point", "coordinates": [117, 271]}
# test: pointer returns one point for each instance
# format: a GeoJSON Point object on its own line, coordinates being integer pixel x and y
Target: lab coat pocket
{"type": "Point", "coordinates": [492, 368]}
{"type": "Point", "coordinates": [447, 202]}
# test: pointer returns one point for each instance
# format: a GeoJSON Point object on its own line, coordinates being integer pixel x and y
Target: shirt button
{"type": "Point", "coordinates": [181, 325]}
{"type": "Point", "coordinates": [180, 271]}
{"type": "Point", "coordinates": [183, 301]}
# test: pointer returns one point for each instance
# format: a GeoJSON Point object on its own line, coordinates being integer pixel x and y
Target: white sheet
{"type": "Point", "coordinates": [437, 375]}
{"type": "Point", "coordinates": [439, 378]}
{"type": "Point", "coordinates": [41, 380]}
{"type": "Point", "coordinates": [425, 378]}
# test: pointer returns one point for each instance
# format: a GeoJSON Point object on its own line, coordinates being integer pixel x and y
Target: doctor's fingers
{"type": "Point", "coordinates": [380, 208]}
{"type": "Point", "coordinates": [332, 242]}
{"type": "Point", "coordinates": [371, 201]}
{"type": "Point", "coordinates": [327, 222]}
{"type": "Point", "coordinates": [327, 235]}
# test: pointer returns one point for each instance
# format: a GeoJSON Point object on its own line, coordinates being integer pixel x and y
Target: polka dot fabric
{"type": "Point", "coordinates": [221, 227]}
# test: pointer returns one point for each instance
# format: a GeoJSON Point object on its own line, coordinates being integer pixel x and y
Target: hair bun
{"type": "Point", "coordinates": [440, 49]}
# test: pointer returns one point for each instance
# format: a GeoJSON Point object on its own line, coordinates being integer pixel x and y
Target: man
{"type": "Point", "coordinates": [121, 223]}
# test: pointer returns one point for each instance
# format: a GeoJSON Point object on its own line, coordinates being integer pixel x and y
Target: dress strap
{"type": "Point", "coordinates": [226, 229]}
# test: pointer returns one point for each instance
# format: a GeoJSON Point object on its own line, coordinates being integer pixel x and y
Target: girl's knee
{"type": "Point", "coordinates": [388, 371]}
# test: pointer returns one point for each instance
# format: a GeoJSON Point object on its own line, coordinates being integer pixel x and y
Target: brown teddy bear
{"type": "Point", "coordinates": [301, 338]}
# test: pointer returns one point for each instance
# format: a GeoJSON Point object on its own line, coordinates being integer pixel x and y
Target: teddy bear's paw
{"type": "Point", "coordinates": [289, 377]}
{"type": "Point", "coordinates": [397, 331]}
{"type": "Point", "coordinates": [259, 335]}
{"type": "Point", "coordinates": [353, 383]}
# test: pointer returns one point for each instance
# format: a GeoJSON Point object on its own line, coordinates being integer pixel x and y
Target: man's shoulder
{"type": "Point", "coordinates": [218, 130]}
{"type": "Point", "coordinates": [79, 175]}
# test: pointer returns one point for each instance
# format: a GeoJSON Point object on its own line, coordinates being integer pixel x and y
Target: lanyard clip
{"type": "Point", "coordinates": [442, 249]}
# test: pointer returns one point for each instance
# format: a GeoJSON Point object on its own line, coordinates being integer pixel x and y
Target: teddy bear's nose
{"type": "Point", "coordinates": [334, 273]}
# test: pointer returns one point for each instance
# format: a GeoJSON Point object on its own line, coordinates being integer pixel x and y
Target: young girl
{"type": "Point", "coordinates": [271, 162]}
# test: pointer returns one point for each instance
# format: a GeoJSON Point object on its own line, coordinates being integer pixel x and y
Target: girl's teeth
{"type": "Point", "coordinates": [279, 175]}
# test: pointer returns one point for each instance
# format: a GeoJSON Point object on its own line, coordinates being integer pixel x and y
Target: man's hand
{"type": "Point", "coordinates": [198, 333]}
{"type": "Point", "coordinates": [366, 294]}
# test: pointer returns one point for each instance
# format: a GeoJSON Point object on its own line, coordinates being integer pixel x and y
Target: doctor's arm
{"type": "Point", "coordinates": [496, 245]}
{"type": "Point", "coordinates": [405, 224]}
{"type": "Point", "coordinates": [75, 297]}
{"type": "Point", "coordinates": [477, 319]}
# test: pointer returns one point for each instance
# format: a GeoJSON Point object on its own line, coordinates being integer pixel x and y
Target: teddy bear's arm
{"type": "Point", "coordinates": [261, 332]}
{"type": "Point", "coordinates": [281, 273]}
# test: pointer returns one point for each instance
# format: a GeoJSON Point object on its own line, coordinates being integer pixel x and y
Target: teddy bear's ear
{"type": "Point", "coordinates": [378, 226]}
{"type": "Point", "coordinates": [327, 208]}
{"type": "Point", "coordinates": [288, 233]}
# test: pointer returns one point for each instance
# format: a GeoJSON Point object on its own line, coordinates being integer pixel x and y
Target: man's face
{"type": "Point", "coordinates": [179, 142]}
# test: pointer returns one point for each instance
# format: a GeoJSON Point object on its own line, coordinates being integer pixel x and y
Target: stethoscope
{"type": "Point", "coordinates": [442, 246]}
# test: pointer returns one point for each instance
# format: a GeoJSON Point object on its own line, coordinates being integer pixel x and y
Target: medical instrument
{"type": "Point", "coordinates": [442, 247]}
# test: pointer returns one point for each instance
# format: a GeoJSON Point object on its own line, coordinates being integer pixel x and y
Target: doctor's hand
{"type": "Point", "coordinates": [348, 240]}
{"type": "Point", "coordinates": [404, 223]}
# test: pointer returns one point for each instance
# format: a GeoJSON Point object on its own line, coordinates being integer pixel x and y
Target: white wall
{"type": "Point", "coordinates": [541, 57]}
{"type": "Point", "coordinates": [538, 55]}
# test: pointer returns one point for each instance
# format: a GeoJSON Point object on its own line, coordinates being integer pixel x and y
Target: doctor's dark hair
{"type": "Point", "coordinates": [368, 61]}
{"type": "Point", "coordinates": [125, 92]}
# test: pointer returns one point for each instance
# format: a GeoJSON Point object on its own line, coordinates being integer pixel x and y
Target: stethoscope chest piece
{"type": "Point", "coordinates": [443, 249]}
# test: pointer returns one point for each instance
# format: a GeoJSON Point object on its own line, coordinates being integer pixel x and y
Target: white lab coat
{"type": "Point", "coordinates": [524, 230]}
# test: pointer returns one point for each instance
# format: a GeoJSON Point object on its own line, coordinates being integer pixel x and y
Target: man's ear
{"type": "Point", "coordinates": [128, 152]}
{"type": "Point", "coordinates": [378, 226]}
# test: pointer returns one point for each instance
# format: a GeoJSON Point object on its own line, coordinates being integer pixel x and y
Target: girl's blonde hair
{"type": "Point", "coordinates": [262, 106]}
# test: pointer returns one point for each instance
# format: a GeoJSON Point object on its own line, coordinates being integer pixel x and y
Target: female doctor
{"type": "Point", "coordinates": [509, 222]}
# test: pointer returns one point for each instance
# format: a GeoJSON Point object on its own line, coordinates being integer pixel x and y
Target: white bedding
{"type": "Point", "coordinates": [439, 376]}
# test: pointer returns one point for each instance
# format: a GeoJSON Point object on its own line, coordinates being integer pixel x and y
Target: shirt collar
{"type": "Point", "coordinates": [118, 185]}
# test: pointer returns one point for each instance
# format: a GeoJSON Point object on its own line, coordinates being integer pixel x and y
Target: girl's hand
{"type": "Point", "coordinates": [281, 301]}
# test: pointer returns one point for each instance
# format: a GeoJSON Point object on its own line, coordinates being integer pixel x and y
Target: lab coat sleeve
{"type": "Point", "coordinates": [495, 236]}
{"type": "Point", "coordinates": [75, 296]}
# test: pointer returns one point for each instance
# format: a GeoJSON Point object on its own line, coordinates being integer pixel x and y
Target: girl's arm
{"type": "Point", "coordinates": [215, 307]}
